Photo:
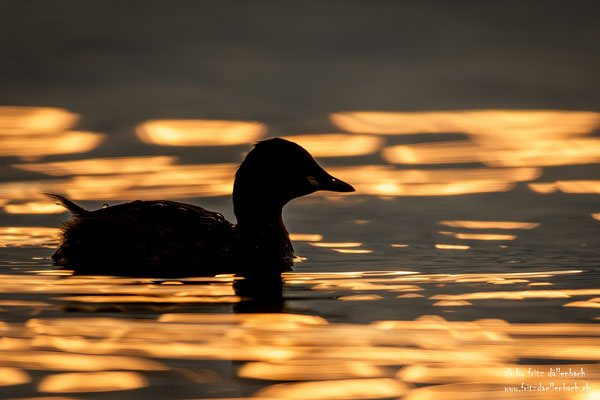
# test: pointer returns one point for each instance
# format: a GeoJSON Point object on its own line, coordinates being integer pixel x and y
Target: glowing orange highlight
{"type": "Point", "coordinates": [451, 303]}
{"type": "Point", "coordinates": [372, 173]}
{"type": "Point", "coordinates": [313, 371]}
{"type": "Point", "coordinates": [338, 145]}
{"type": "Point", "coordinates": [23, 303]}
{"type": "Point", "coordinates": [575, 186]}
{"type": "Point", "coordinates": [305, 237]}
{"type": "Point", "coordinates": [507, 281]}
{"type": "Point", "coordinates": [512, 124]}
{"type": "Point", "coordinates": [92, 382]}
{"type": "Point", "coordinates": [28, 120]}
{"type": "Point", "coordinates": [58, 361]}
{"type": "Point", "coordinates": [353, 251]}
{"type": "Point", "coordinates": [435, 153]}
{"type": "Point", "coordinates": [321, 359]}
{"type": "Point", "coordinates": [451, 247]}
{"type": "Point", "coordinates": [34, 207]}
{"type": "Point", "coordinates": [390, 181]}
{"type": "Point", "coordinates": [27, 236]}
{"type": "Point", "coordinates": [506, 138]}
{"type": "Point", "coordinates": [101, 166]}
{"type": "Point", "coordinates": [596, 216]}
{"type": "Point", "coordinates": [151, 299]}
{"type": "Point", "coordinates": [490, 224]}
{"type": "Point", "coordinates": [547, 153]}
{"type": "Point", "coordinates": [13, 376]}
{"type": "Point", "coordinates": [344, 244]}
{"type": "Point", "coordinates": [476, 236]}
{"type": "Point", "coordinates": [336, 389]}
{"type": "Point", "coordinates": [199, 132]}
{"type": "Point", "coordinates": [543, 188]}
{"type": "Point", "coordinates": [554, 294]}
{"type": "Point", "coordinates": [434, 189]}
{"type": "Point", "coordinates": [28, 146]}
{"type": "Point", "coordinates": [172, 181]}
{"type": "Point", "coordinates": [591, 303]}
{"type": "Point", "coordinates": [581, 151]}
{"type": "Point", "coordinates": [360, 297]}
{"type": "Point", "coordinates": [358, 284]}
{"type": "Point", "coordinates": [247, 319]}
{"type": "Point", "coordinates": [453, 373]}
{"type": "Point", "coordinates": [587, 186]}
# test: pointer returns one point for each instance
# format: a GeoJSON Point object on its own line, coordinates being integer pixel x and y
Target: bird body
{"type": "Point", "coordinates": [147, 238]}
{"type": "Point", "coordinates": [168, 238]}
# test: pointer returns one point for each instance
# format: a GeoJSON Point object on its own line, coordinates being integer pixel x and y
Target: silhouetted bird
{"type": "Point", "coordinates": [167, 238]}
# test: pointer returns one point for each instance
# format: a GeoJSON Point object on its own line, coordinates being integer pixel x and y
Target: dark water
{"type": "Point", "coordinates": [466, 265]}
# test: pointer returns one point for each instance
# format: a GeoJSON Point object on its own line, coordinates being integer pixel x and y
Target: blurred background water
{"type": "Point", "coordinates": [469, 252]}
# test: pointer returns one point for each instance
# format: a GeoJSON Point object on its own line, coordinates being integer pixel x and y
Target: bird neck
{"type": "Point", "coordinates": [258, 216]}
{"type": "Point", "coordinates": [260, 223]}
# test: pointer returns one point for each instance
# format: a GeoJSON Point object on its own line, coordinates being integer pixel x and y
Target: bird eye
{"type": "Point", "coordinates": [313, 181]}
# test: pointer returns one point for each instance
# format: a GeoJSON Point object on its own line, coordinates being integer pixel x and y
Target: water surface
{"type": "Point", "coordinates": [465, 265]}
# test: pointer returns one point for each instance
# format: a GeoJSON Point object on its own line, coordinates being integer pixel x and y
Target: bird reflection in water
{"type": "Point", "coordinates": [166, 238]}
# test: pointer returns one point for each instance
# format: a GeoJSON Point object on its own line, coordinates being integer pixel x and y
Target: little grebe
{"type": "Point", "coordinates": [167, 238]}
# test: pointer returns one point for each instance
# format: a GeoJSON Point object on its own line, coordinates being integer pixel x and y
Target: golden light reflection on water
{"type": "Point", "coordinates": [389, 181]}
{"type": "Point", "coordinates": [490, 224]}
{"type": "Point", "coordinates": [337, 389]}
{"type": "Point", "coordinates": [28, 236]}
{"type": "Point", "coordinates": [574, 186]}
{"type": "Point", "coordinates": [386, 355]}
{"type": "Point", "coordinates": [343, 244]}
{"type": "Point", "coordinates": [34, 207]}
{"type": "Point", "coordinates": [13, 376]}
{"type": "Point", "coordinates": [338, 145]}
{"type": "Point", "coordinates": [519, 295]}
{"type": "Point", "coordinates": [514, 145]}
{"type": "Point", "coordinates": [305, 237]}
{"type": "Point", "coordinates": [59, 361]}
{"type": "Point", "coordinates": [452, 246]}
{"type": "Point", "coordinates": [292, 347]}
{"type": "Point", "coordinates": [151, 177]}
{"type": "Point", "coordinates": [353, 251]}
{"type": "Point", "coordinates": [360, 297]}
{"type": "Point", "coordinates": [35, 146]}
{"type": "Point", "coordinates": [305, 371]}
{"type": "Point", "coordinates": [199, 132]}
{"type": "Point", "coordinates": [19, 120]}
{"type": "Point", "coordinates": [34, 132]}
{"type": "Point", "coordinates": [381, 280]}
{"type": "Point", "coordinates": [478, 236]}
{"type": "Point", "coordinates": [581, 151]}
{"type": "Point", "coordinates": [150, 299]}
{"type": "Point", "coordinates": [543, 187]}
{"type": "Point", "coordinates": [498, 138]}
{"type": "Point", "coordinates": [519, 125]}
{"type": "Point", "coordinates": [451, 303]}
{"type": "Point", "coordinates": [434, 153]}
{"type": "Point", "coordinates": [101, 166]}
{"type": "Point", "coordinates": [92, 382]}
{"type": "Point", "coordinates": [591, 303]}
{"type": "Point", "coordinates": [581, 186]}
{"type": "Point", "coordinates": [317, 358]}
{"type": "Point", "coordinates": [176, 181]}
{"type": "Point", "coordinates": [158, 180]}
